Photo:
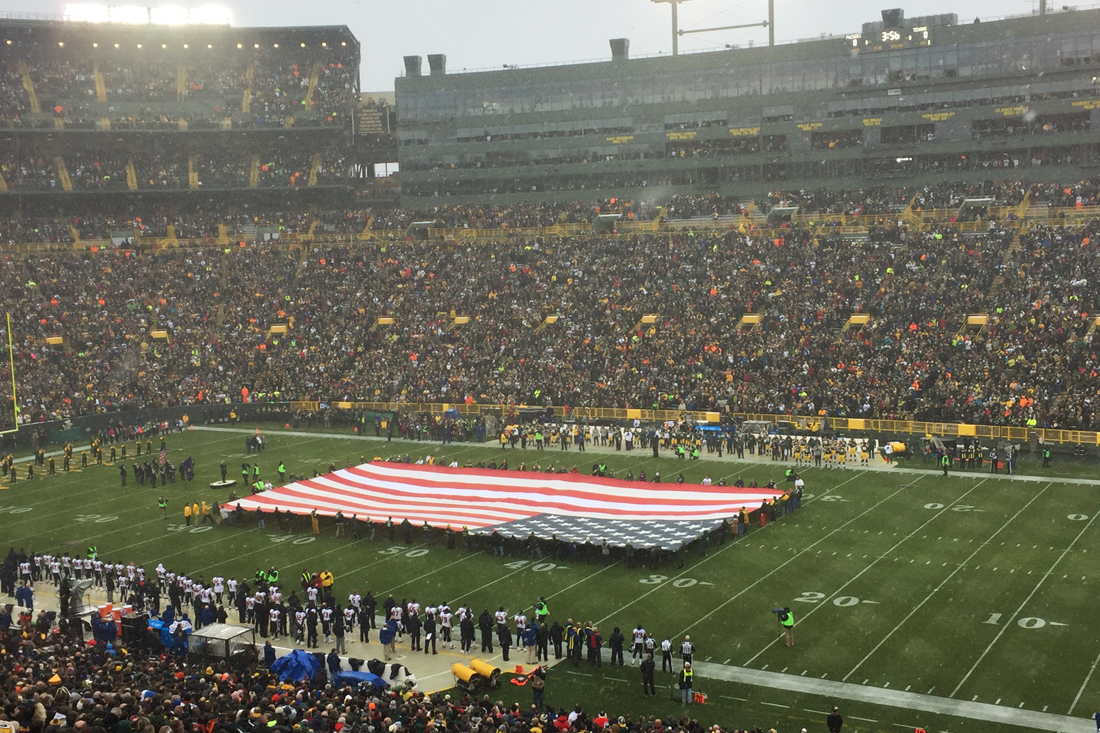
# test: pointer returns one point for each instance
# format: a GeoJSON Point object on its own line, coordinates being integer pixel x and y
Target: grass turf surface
{"type": "Point", "coordinates": [970, 587]}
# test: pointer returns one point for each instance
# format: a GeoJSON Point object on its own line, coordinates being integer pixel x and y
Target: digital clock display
{"type": "Point", "coordinates": [891, 39]}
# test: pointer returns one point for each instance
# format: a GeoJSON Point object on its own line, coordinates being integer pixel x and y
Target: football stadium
{"type": "Point", "coordinates": [463, 406]}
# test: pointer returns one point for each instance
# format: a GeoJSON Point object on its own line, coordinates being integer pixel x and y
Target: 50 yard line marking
{"type": "Point", "coordinates": [1021, 606]}
{"type": "Point", "coordinates": [945, 580]}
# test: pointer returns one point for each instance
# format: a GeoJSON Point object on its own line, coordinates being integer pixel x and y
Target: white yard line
{"type": "Point", "coordinates": [773, 571]}
{"type": "Point", "coordinates": [1011, 717]}
{"type": "Point", "coordinates": [944, 582]}
{"type": "Point", "coordinates": [1021, 606]}
{"type": "Point", "coordinates": [1083, 686]}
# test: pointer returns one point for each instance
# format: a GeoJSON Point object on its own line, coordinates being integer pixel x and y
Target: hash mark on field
{"type": "Point", "coordinates": [907, 688]}
{"type": "Point", "coordinates": [727, 661]}
{"type": "Point", "coordinates": [866, 681]}
{"type": "Point", "coordinates": [1045, 708]}
{"type": "Point", "coordinates": [707, 659]}
{"type": "Point", "coordinates": [763, 668]}
{"type": "Point", "coordinates": [782, 671]}
{"type": "Point", "coordinates": [739, 699]}
{"type": "Point", "coordinates": [816, 712]}
{"type": "Point", "coordinates": [775, 705]}
{"type": "Point", "coordinates": [998, 701]}
{"type": "Point", "coordinates": [614, 679]}
{"type": "Point", "coordinates": [1020, 705]}
{"type": "Point", "coordinates": [975, 698]}
{"type": "Point", "coordinates": [579, 674]}
{"type": "Point", "coordinates": [868, 720]}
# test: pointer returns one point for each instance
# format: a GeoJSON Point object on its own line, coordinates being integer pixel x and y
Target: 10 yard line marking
{"type": "Point", "coordinates": [945, 580]}
{"type": "Point", "coordinates": [1021, 607]}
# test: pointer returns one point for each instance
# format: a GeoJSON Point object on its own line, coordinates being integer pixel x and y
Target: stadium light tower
{"type": "Point", "coordinates": [676, 32]}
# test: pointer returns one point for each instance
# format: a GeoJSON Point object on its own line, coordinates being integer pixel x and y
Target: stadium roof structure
{"type": "Point", "coordinates": [569, 507]}
{"type": "Point", "coordinates": [35, 32]}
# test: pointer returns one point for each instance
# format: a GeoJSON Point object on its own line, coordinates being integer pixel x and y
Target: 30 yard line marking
{"type": "Point", "coordinates": [1021, 606]}
{"type": "Point", "coordinates": [945, 580]}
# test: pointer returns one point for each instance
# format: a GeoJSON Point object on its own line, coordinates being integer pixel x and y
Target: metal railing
{"type": "Point", "coordinates": [813, 423]}
{"type": "Point", "coordinates": [920, 220]}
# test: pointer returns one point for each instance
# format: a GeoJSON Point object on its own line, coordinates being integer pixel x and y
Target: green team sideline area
{"type": "Point", "coordinates": [964, 603]}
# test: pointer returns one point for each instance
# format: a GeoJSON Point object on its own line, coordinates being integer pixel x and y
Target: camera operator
{"type": "Point", "coordinates": [786, 622]}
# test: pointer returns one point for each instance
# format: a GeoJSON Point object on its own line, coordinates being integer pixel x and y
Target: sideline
{"type": "Point", "coordinates": [898, 699]}
{"type": "Point", "coordinates": [726, 458]}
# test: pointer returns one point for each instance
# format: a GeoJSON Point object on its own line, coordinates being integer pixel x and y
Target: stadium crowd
{"type": "Point", "coordinates": [57, 679]}
{"type": "Point", "coordinates": [146, 90]}
{"type": "Point", "coordinates": [913, 360]}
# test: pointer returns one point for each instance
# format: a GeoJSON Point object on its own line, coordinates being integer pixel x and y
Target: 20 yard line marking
{"type": "Point", "coordinates": [945, 580]}
{"type": "Point", "coordinates": [775, 570]}
{"type": "Point", "coordinates": [871, 565]}
{"type": "Point", "coordinates": [1021, 607]}
{"type": "Point", "coordinates": [731, 545]}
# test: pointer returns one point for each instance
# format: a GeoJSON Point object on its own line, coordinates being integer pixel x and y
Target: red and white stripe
{"type": "Point", "coordinates": [478, 498]}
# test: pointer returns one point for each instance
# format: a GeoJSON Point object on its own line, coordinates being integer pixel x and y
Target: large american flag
{"type": "Point", "coordinates": [517, 503]}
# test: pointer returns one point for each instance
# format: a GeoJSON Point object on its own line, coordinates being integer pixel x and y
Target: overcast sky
{"type": "Point", "coordinates": [489, 33]}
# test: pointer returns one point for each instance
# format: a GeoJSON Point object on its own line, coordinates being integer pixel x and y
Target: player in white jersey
{"type": "Point", "coordinates": [231, 586]}
{"type": "Point", "coordinates": [445, 621]}
{"type": "Point", "coordinates": [355, 601]}
{"type": "Point", "coordinates": [521, 623]}
{"type": "Point", "coordinates": [300, 626]}
{"type": "Point", "coordinates": [218, 584]}
{"type": "Point", "coordinates": [397, 613]}
{"type": "Point", "coordinates": [637, 651]}
{"type": "Point", "coordinates": [273, 623]}
{"type": "Point", "coordinates": [161, 572]}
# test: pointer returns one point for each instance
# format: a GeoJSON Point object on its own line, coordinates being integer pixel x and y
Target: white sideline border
{"type": "Point", "coordinates": [898, 699]}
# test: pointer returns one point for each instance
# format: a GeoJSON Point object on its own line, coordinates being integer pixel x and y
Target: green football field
{"type": "Point", "coordinates": [953, 604]}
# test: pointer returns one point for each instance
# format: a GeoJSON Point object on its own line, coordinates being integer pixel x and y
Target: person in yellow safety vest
{"type": "Point", "coordinates": [327, 581]}
{"type": "Point", "coordinates": [786, 620]}
{"type": "Point", "coordinates": [687, 676]}
{"type": "Point", "coordinates": [945, 462]}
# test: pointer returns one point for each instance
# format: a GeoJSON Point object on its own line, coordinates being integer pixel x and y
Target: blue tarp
{"type": "Point", "coordinates": [352, 679]}
{"type": "Point", "coordinates": [297, 666]}
{"type": "Point", "coordinates": [452, 413]}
